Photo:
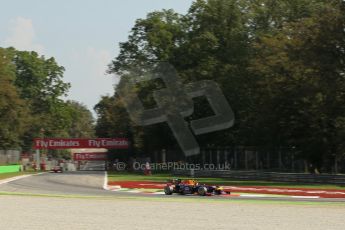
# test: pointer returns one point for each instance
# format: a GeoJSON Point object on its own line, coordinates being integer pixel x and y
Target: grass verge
{"type": "Point", "coordinates": [175, 199]}
{"type": "Point", "coordinates": [14, 174]}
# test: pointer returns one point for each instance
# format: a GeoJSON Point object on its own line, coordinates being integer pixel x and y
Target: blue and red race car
{"type": "Point", "coordinates": [185, 187]}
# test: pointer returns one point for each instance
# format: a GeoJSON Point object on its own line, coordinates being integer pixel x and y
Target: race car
{"type": "Point", "coordinates": [56, 169]}
{"type": "Point", "coordinates": [185, 187]}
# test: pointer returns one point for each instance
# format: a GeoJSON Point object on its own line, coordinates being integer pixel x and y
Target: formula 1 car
{"type": "Point", "coordinates": [56, 169]}
{"type": "Point", "coordinates": [185, 187]}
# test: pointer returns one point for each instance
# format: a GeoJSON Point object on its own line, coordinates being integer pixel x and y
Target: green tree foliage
{"type": "Point", "coordinates": [81, 120]}
{"type": "Point", "coordinates": [31, 105]}
{"type": "Point", "coordinates": [113, 118]}
{"type": "Point", "coordinates": [279, 63]}
{"type": "Point", "coordinates": [151, 39]}
{"type": "Point", "coordinates": [39, 82]}
{"type": "Point", "coordinates": [12, 108]}
{"type": "Point", "coordinates": [301, 76]}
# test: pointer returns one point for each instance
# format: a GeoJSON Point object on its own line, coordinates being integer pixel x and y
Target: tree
{"type": "Point", "coordinates": [31, 105]}
{"type": "Point", "coordinates": [12, 108]}
{"type": "Point", "coordinates": [152, 39]}
{"type": "Point", "coordinates": [39, 83]}
{"type": "Point", "coordinates": [279, 63]}
{"type": "Point", "coordinates": [195, 45]}
{"type": "Point", "coordinates": [81, 120]}
{"type": "Point", "coordinates": [300, 71]}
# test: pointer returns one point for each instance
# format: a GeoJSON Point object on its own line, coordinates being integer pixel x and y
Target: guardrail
{"type": "Point", "coordinates": [266, 176]}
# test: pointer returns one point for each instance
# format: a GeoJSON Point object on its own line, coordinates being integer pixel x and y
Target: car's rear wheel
{"type": "Point", "coordinates": [168, 190]}
{"type": "Point", "coordinates": [202, 191]}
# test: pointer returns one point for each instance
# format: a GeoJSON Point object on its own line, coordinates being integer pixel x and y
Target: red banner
{"type": "Point", "coordinates": [90, 156]}
{"type": "Point", "coordinates": [68, 143]}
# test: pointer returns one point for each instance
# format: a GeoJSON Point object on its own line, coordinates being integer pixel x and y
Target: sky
{"type": "Point", "coordinates": [82, 35]}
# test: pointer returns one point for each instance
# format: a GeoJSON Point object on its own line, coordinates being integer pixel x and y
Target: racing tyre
{"type": "Point", "coordinates": [202, 191]}
{"type": "Point", "coordinates": [168, 190]}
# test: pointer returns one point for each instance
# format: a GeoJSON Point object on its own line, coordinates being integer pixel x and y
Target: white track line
{"type": "Point", "coordinates": [105, 183]}
{"type": "Point", "coordinates": [134, 191]}
{"type": "Point", "coordinates": [159, 193]}
{"type": "Point", "coordinates": [254, 195]}
{"type": "Point", "coordinates": [307, 197]}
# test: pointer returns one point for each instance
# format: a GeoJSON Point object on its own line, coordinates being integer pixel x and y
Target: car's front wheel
{"type": "Point", "coordinates": [168, 190]}
{"type": "Point", "coordinates": [202, 191]}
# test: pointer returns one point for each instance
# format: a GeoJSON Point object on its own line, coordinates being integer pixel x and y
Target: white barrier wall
{"type": "Point", "coordinates": [9, 156]}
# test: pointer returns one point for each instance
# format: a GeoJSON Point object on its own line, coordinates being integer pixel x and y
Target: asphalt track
{"type": "Point", "coordinates": [90, 183]}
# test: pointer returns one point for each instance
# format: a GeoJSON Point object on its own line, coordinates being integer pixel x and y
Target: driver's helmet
{"type": "Point", "coordinates": [175, 181]}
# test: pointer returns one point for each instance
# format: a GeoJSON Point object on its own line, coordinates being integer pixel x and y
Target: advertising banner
{"type": "Point", "coordinates": [90, 156]}
{"type": "Point", "coordinates": [72, 143]}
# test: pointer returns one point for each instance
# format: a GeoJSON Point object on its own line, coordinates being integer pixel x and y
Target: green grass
{"type": "Point", "coordinates": [184, 200]}
{"type": "Point", "coordinates": [13, 174]}
{"type": "Point", "coordinates": [120, 176]}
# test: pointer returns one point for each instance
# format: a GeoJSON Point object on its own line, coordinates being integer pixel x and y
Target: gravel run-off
{"type": "Point", "coordinates": [25, 212]}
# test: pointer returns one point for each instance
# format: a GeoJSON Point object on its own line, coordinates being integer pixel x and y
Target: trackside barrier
{"type": "Point", "coordinates": [267, 176]}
